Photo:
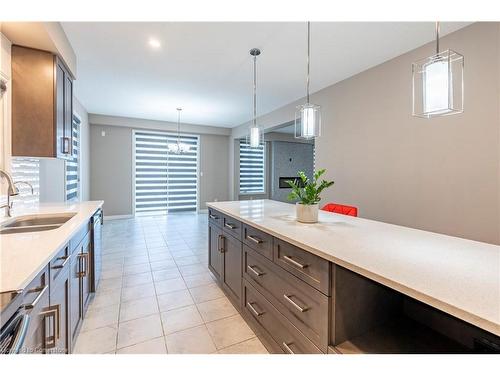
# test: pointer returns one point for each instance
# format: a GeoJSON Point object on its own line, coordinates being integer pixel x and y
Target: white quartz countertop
{"type": "Point", "coordinates": [23, 255]}
{"type": "Point", "coordinates": [455, 275]}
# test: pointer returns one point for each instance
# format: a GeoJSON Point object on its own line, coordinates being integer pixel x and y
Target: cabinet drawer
{"type": "Point", "coordinates": [289, 339]}
{"type": "Point", "coordinates": [306, 266]}
{"type": "Point", "coordinates": [78, 237]}
{"type": "Point", "coordinates": [59, 263]}
{"type": "Point", "coordinates": [258, 240]}
{"type": "Point", "coordinates": [215, 217]}
{"type": "Point", "coordinates": [303, 305]}
{"type": "Point", "coordinates": [231, 226]}
{"type": "Point", "coordinates": [36, 302]}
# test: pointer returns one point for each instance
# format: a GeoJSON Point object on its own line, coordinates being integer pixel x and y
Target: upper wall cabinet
{"type": "Point", "coordinates": [42, 104]}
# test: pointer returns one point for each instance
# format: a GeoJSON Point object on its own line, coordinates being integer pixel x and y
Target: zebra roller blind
{"type": "Point", "coordinates": [72, 165]}
{"type": "Point", "coordinates": [252, 169]}
{"type": "Point", "coordinates": [164, 182]}
{"type": "Point", "coordinates": [26, 169]}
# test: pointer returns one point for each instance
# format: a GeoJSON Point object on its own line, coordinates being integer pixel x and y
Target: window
{"type": "Point", "coordinates": [28, 170]}
{"type": "Point", "coordinates": [252, 169]}
{"type": "Point", "coordinates": [164, 182]}
{"type": "Point", "coordinates": [72, 165]}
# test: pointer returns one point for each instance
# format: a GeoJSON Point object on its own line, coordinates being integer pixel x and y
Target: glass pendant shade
{"type": "Point", "coordinates": [438, 86]}
{"type": "Point", "coordinates": [255, 137]}
{"type": "Point", "coordinates": [308, 121]}
{"type": "Point", "coordinates": [178, 148]}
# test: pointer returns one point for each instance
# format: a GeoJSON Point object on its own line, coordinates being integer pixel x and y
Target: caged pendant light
{"type": "Point", "coordinates": [308, 116]}
{"type": "Point", "coordinates": [178, 147]}
{"type": "Point", "coordinates": [438, 83]}
{"type": "Point", "coordinates": [255, 137]}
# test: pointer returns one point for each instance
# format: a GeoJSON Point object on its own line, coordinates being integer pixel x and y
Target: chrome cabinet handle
{"type": "Point", "coordinates": [230, 226]}
{"type": "Point", "coordinates": [50, 341]}
{"type": "Point", "coordinates": [84, 257]}
{"type": "Point", "coordinates": [294, 262]}
{"type": "Point", "coordinates": [287, 348]}
{"type": "Point", "coordinates": [59, 266]}
{"type": "Point", "coordinates": [255, 272]}
{"type": "Point", "coordinates": [213, 217]}
{"type": "Point", "coordinates": [221, 248]}
{"type": "Point", "coordinates": [254, 239]}
{"type": "Point", "coordinates": [294, 304]}
{"type": "Point", "coordinates": [41, 291]}
{"type": "Point", "coordinates": [253, 310]}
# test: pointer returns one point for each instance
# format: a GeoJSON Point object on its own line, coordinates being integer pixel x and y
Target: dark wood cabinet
{"type": "Point", "coordinates": [231, 267]}
{"type": "Point", "coordinates": [36, 304]}
{"type": "Point", "coordinates": [60, 300]}
{"type": "Point", "coordinates": [75, 309]}
{"type": "Point", "coordinates": [80, 283]}
{"type": "Point", "coordinates": [214, 250]}
{"type": "Point", "coordinates": [42, 104]}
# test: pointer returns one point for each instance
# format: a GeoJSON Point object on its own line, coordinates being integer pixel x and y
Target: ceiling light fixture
{"type": "Point", "coordinates": [255, 137]}
{"type": "Point", "coordinates": [178, 147]}
{"type": "Point", "coordinates": [308, 116]}
{"type": "Point", "coordinates": [438, 83]}
{"type": "Point", "coordinates": [154, 43]}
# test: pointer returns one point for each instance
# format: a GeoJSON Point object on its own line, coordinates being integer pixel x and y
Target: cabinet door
{"type": "Point", "coordinates": [59, 300]}
{"type": "Point", "coordinates": [85, 274]}
{"type": "Point", "coordinates": [214, 246]}
{"type": "Point", "coordinates": [231, 270]}
{"type": "Point", "coordinates": [59, 110]}
{"type": "Point", "coordinates": [36, 301]}
{"type": "Point", "coordinates": [75, 310]}
{"type": "Point", "coordinates": [68, 115]}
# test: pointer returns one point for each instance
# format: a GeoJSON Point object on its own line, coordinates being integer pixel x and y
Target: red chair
{"type": "Point", "coordinates": [341, 209]}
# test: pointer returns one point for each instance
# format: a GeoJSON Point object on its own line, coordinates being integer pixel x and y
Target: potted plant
{"type": "Point", "coordinates": [306, 193]}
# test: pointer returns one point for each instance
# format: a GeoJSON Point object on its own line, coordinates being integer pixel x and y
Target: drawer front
{"type": "Point", "coordinates": [231, 226]}
{"type": "Point", "coordinates": [306, 266]}
{"type": "Point", "coordinates": [289, 339]}
{"type": "Point", "coordinates": [59, 263]}
{"type": "Point", "coordinates": [79, 236]}
{"type": "Point", "coordinates": [215, 217]}
{"type": "Point", "coordinates": [258, 240]}
{"type": "Point", "coordinates": [303, 305]}
{"type": "Point", "coordinates": [36, 302]}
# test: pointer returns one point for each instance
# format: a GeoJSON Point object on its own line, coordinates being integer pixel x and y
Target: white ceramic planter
{"type": "Point", "coordinates": [307, 213]}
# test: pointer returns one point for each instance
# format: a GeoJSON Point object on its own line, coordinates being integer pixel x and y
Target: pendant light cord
{"type": "Point", "coordinates": [437, 37]}
{"type": "Point", "coordinates": [308, 56]}
{"type": "Point", "coordinates": [178, 125]}
{"type": "Point", "coordinates": [255, 90]}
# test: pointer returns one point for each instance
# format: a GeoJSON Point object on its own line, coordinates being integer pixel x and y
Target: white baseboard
{"type": "Point", "coordinates": [117, 217]}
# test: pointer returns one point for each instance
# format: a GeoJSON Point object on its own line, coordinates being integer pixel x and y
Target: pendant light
{"type": "Point", "coordinates": [438, 83]}
{"type": "Point", "coordinates": [178, 147]}
{"type": "Point", "coordinates": [308, 116]}
{"type": "Point", "coordinates": [255, 137]}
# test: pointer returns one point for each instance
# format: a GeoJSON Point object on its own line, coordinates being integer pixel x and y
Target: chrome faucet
{"type": "Point", "coordinates": [12, 191]}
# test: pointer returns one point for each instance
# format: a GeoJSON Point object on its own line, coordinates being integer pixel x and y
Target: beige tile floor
{"type": "Point", "coordinates": [156, 295]}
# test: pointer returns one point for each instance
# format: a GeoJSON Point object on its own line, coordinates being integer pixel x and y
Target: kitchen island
{"type": "Point", "coordinates": [357, 275]}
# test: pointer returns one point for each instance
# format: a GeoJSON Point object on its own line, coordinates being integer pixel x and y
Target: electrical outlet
{"type": "Point", "coordinates": [103, 133]}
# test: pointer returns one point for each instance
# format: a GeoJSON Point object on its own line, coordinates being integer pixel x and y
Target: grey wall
{"type": "Point", "coordinates": [214, 169]}
{"type": "Point", "coordinates": [111, 168]}
{"type": "Point", "coordinates": [441, 174]}
{"type": "Point", "coordinates": [287, 159]}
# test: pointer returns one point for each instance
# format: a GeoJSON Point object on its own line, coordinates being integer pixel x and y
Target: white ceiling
{"type": "Point", "coordinates": [206, 68]}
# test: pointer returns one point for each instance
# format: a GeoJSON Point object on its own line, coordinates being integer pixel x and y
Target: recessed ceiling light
{"type": "Point", "coordinates": [154, 43]}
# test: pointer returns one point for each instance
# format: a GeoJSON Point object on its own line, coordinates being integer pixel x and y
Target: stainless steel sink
{"type": "Point", "coordinates": [35, 223]}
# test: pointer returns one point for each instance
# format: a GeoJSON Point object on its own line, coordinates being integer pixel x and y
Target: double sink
{"type": "Point", "coordinates": [35, 223]}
